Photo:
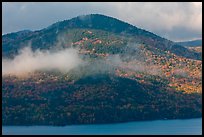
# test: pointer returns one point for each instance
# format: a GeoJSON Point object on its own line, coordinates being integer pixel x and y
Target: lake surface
{"type": "Point", "coordinates": [158, 127]}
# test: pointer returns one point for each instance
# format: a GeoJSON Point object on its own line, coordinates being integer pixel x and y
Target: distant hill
{"type": "Point", "coordinates": [193, 43]}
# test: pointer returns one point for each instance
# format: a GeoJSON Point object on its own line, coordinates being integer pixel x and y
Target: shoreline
{"type": "Point", "coordinates": [108, 123]}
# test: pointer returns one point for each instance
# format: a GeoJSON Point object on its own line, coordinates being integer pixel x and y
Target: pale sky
{"type": "Point", "coordinates": [177, 21]}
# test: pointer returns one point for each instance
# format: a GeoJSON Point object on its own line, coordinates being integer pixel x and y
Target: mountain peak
{"type": "Point", "coordinates": [105, 23]}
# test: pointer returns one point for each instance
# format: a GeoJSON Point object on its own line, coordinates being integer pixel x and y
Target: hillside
{"type": "Point", "coordinates": [123, 74]}
{"type": "Point", "coordinates": [93, 99]}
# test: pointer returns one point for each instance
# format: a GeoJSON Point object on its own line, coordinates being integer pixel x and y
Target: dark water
{"type": "Point", "coordinates": [167, 127]}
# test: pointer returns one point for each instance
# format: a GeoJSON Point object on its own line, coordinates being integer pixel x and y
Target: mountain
{"type": "Point", "coordinates": [193, 43]}
{"type": "Point", "coordinates": [126, 74]}
{"type": "Point", "coordinates": [46, 38]}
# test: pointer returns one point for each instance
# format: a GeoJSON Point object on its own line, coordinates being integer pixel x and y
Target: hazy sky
{"type": "Point", "coordinates": [176, 21]}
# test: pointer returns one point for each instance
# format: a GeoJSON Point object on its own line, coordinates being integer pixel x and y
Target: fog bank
{"type": "Point", "coordinates": [28, 61]}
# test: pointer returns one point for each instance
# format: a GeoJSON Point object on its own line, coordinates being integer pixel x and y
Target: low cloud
{"type": "Point", "coordinates": [28, 61]}
{"type": "Point", "coordinates": [180, 73]}
{"type": "Point", "coordinates": [71, 62]}
{"type": "Point", "coordinates": [65, 60]}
